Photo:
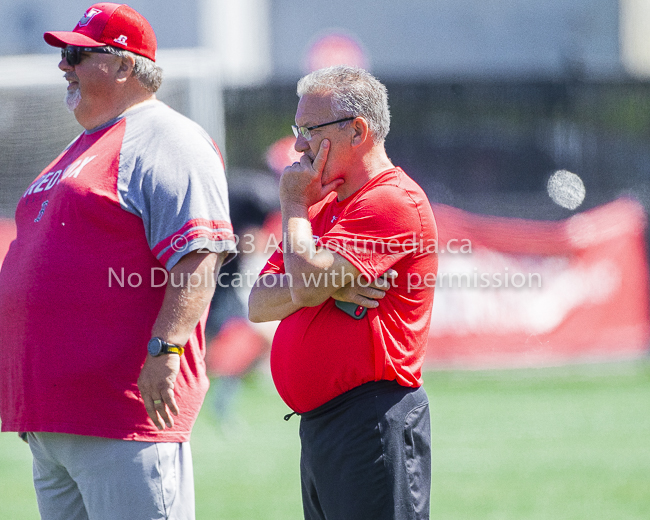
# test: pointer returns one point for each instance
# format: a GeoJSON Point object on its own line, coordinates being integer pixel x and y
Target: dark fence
{"type": "Point", "coordinates": [485, 147]}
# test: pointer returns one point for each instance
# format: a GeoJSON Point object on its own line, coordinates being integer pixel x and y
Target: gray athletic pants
{"type": "Point", "coordinates": [92, 478]}
{"type": "Point", "coordinates": [367, 455]}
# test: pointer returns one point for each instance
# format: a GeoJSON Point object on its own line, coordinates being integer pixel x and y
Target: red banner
{"type": "Point", "coordinates": [513, 292]}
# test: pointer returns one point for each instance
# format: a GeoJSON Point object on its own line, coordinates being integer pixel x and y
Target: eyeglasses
{"type": "Point", "coordinates": [72, 54]}
{"type": "Point", "coordinates": [305, 131]}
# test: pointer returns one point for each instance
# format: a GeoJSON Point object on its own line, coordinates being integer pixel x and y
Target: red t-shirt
{"type": "Point", "coordinates": [83, 282]}
{"type": "Point", "coordinates": [320, 352]}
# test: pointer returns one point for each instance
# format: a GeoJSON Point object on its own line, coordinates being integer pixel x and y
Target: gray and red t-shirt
{"type": "Point", "coordinates": [82, 284]}
{"type": "Point", "coordinates": [320, 352]}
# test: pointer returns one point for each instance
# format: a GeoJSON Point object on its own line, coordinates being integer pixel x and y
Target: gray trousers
{"type": "Point", "coordinates": [92, 478]}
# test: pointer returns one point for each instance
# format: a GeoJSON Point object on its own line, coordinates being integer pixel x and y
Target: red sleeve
{"type": "Point", "coordinates": [275, 264]}
{"type": "Point", "coordinates": [377, 230]}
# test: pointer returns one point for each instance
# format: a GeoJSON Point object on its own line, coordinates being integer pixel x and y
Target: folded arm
{"type": "Point", "coordinates": [316, 273]}
{"type": "Point", "coordinates": [270, 299]}
{"type": "Point", "coordinates": [312, 273]}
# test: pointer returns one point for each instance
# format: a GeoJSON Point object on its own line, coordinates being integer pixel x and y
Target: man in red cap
{"type": "Point", "coordinates": [105, 291]}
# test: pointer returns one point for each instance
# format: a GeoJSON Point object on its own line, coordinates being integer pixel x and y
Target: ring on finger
{"type": "Point", "coordinates": [157, 401]}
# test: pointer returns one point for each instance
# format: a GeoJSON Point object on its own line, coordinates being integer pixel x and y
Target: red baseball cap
{"type": "Point", "coordinates": [102, 24]}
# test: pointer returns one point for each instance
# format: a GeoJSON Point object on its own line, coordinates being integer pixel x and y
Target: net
{"type": "Point", "coordinates": [35, 125]}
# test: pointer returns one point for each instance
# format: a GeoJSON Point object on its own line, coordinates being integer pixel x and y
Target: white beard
{"type": "Point", "coordinates": [72, 99]}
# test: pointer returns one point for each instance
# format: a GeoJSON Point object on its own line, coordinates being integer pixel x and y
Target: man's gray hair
{"type": "Point", "coordinates": [145, 70]}
{"type": "Point", "coordinates": [355, 92]}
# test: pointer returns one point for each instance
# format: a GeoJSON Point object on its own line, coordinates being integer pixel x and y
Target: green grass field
{"type": "Point", "coordinates": [553, 443]}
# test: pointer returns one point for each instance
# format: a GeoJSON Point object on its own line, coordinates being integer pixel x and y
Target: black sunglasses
{"type": "Point", "coordinates": [72, 54]}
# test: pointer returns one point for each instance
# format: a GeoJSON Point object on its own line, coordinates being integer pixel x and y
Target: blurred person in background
{"type": "Point", "coordinates": [104, 292]}
{"type": "Point", "coordinates": [348, 353]}
{"type": "Point", "coordinates": [235, 345]}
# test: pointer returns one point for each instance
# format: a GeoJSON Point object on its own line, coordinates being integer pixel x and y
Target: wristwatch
{"type": "Point", "coordinates": [157, 346]}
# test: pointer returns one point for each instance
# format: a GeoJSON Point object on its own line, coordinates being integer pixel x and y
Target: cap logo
{"type": "Point", "coordinates": [121, 40]}
{"type": "Point", "coordinates": [88, 16]}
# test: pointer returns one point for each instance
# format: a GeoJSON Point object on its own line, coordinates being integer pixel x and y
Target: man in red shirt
{"type": "Point", "coordinates": [348, 353]}
{"type": "Point", "coordinates": [104, 293]}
